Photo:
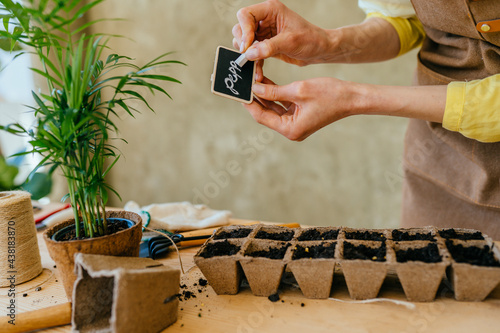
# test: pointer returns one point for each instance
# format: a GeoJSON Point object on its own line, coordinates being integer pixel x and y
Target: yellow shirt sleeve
{"type": "Point", "coordinates": [473, 109]}
{"type": "Point", "coordinates": [410, 31]}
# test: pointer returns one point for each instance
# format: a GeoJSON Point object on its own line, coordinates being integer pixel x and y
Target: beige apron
{"type": "Point", "coordinates": [450, 180]}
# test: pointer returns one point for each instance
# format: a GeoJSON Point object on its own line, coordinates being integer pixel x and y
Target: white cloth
{"type": "Point", "coordinates": [180, 216]}
{"type": "Point", "coordinates": [391, 8]}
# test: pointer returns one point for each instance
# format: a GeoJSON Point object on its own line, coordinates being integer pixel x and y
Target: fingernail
{"type": "Point", "coordinates": [258, 77]}
{"type": "Point", "coordinates": [242, 45]}
{"type": "Point", "coordinates": [252, 53]}
{"type": "Point", "coordinates": [259, 89]}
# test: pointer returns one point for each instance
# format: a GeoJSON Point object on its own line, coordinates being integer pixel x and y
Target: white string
{"type": "Point", "coordinates": [173, 243]}
{"type": "Point", "coordinates": [408, 305]}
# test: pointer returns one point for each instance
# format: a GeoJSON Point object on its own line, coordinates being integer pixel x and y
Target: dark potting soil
{"type": "Point", "coordinates": [186, 294]}
{"type": "Point", "coordinates": [238, 233]}
{"type": "Point", "coordinates": [316, 251]}
{"type": "Point", "coordinates": [453, 234]}
{"type": "Point", "coordinates": [274, 297]}
{"type": "Point", "coordinates": [365, 235]}
{"type": "Point", "coordinates": [113, 227]}
{"type": "Point", "coordinates": [272, 253]}
{"type": "Point", "coordinates": [428, 254]}
{"type": "Point", "coordinates": [400, 236]}
{"type": "Point", "coordinates": [474, 255]}
{"type": "Point", "coordinates": [314, 234]}
{"type": "Point", "coordinates": [223, 248]}
{"type": "Point", "coordinates": [202, 282]}
{"type": "Point", "coordinates": [364, 252]}
{"type": "Point", "coordinates": [281, 236]}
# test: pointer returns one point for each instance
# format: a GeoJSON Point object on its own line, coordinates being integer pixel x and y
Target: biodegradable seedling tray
{"type": "Point", "coordinates": [317, 234]}
{"type": "Point", "coordinates": [275, 233]}
{"type": "Point", "coordinates": [218, 260]}
{"type": "Point", "coordinates": [123, 294]}
{"type": "Point", "coordinates": [313, 265]}
{"type": "Point", "coordinates": [421, 258]}
{"type": "Point", "coordinates": [263, 263]}
{"type": "Point", "coordinates": [364, 264]}
{"type": "Point", "coordinates": [233, 231]}
{"type": "Point", "coordinates": [420, 266]}
{"type": "Point", "coordinates": [475, 270]}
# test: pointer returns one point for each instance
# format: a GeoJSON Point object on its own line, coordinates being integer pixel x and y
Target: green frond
{"type": "Point", "coordinates": [76, 125]}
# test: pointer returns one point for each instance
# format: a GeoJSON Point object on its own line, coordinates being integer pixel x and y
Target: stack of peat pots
{"type": "Point", "coordinates": [421, 258]}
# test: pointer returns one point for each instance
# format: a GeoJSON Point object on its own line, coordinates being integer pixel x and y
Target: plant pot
{"type": "Point", "coordinates": [419, 272]}
{"type": "Point", "coordinates": [263, 263]}
{"type": "Point", "coordinates": [364, 276]}
{"type": "Point", "coordinates": [221, 268]}
{"type": "Point", "coordinates": [313, 268]}
{"type": "Point", "coordinates": [124, 243]}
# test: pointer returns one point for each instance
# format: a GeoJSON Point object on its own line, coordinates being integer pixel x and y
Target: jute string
{"type": "Point", "coordinates": [19, 254]}
{"type": "Point", "coordinates": [173, 244]}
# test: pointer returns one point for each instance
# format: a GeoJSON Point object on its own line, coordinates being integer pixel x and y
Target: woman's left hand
{"type": "Point", "coordinates": [299, 109]}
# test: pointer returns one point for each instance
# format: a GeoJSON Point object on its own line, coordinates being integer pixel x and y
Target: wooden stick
{"type": "Point", "coordinates": [34, 320]}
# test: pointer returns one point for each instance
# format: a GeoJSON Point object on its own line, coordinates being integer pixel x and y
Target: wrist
{"type": "Point", "coordinates": [362, 99]}
{"type": "Point", "coordinates": [419, 102]}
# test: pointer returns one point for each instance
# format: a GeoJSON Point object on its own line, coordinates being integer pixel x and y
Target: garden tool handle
{"type": "Point", "coordinates": [34, 320]}
{"type": "Point", "coordinates": [210, 231]}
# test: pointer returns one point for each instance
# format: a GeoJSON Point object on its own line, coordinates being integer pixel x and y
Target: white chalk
{"type": "Point", "coordinates": [242, 60]}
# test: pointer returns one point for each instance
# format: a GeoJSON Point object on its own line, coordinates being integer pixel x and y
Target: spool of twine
{"type": "Point", "coordinates": [19, 254]}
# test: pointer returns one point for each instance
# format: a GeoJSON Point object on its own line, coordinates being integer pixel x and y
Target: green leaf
{"type": "Point", "coordinates": [160, 77]}
{"type": "Point", "coordinates": [76, 116]}
{"type": "Point", "coordinates": [47, 76]}
{"type": "Point", "coordinates": [39, 185]}
{"type": "Point", "coordinates": [7, 175]}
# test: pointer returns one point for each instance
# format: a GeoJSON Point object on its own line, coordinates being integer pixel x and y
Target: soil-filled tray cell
{"type": "Point", "coordinates": [481, 255]}
{"type": "Point", "coordinates": [310, 251]}
{"type": "Point", "coordinates": [475, 269]}
{"type": "Point", "coordinates": [420, 266]}
{"type": "Point", "coordinates": [317, 234]}
{"type": "Point", "coordinates": [313, 267]}
{"type": "Point", "coordinates": [230, 232]}
{"type": "Point", "coordinates": [263, 262]}
{"type": "Point", "coordinates": [274, 250]}
{"type": "Point", "coordinates": [222, 248]}
{"type": "Point", "coordinates": [275, 233]}
{"type": "Point", "coordinates": [428, 254]}
{"type": "Point", "coordinates": [364, 266]}
{"type": "Point", "coordinates": [403, 235]}
{"type": "Point", "coordinates": [363, 252]}
{"type": "Point", "coordinates": [461, 234]}
{"type": "Point", "coordinates": [366, 235]}
{"type": "Point", "coordinates": [218, 261]}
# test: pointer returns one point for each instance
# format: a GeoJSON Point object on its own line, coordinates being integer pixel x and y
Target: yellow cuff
{"type": "Point", "coordinates": [473, 109]}
{"type": "Point", "coordinates": [410, 31]}
{"type": "Point", "coordinates": [455, 102]}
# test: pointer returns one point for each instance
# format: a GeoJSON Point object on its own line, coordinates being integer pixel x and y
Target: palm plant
{"type": "Point", "coordinates": [74, 125]}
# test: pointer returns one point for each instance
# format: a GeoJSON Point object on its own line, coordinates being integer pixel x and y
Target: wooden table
{"type": "Point", "coordinates": [208, 312]}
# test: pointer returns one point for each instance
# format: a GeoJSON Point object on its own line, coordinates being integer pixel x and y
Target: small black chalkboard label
{"type": "Point", "coordinates": [230, 80]}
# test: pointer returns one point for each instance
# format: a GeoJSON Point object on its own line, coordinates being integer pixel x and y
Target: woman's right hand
{"type": "Point", "coordinates": [280, 33]}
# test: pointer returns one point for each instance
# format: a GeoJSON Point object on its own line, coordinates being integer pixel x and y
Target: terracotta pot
{"type": "Point", "coordinates": [124, 243]}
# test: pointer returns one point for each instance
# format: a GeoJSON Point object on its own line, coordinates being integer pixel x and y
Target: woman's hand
{"type": "Point", "coordinates": [281, 33]}
{"type": "Point", "coordinates": [301, 108]}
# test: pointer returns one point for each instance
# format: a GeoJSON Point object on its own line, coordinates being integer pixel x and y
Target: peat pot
{"type": "Point", "coordinates": [124, 243]}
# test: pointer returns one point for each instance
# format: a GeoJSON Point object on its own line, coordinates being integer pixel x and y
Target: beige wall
{"type": "Point", "coordinates": [346, 174]}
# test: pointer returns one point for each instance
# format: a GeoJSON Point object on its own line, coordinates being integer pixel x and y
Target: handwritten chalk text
{"type": "Point", "coordinates": [233, 77]}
